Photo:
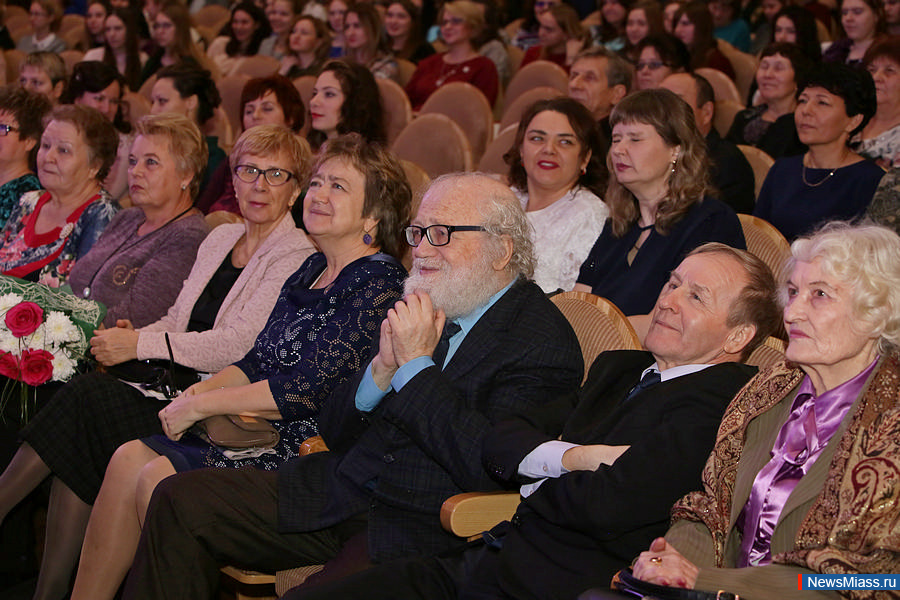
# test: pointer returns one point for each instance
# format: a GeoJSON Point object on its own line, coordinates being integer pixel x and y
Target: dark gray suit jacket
{"type": "Point", "coordinates": [576, 531]}
{"type": "Point", "coordinates": [423, 444]}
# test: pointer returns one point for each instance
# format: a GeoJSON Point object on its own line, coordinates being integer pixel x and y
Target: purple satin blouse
{"type": "Point", "coordinates": [809, 427]}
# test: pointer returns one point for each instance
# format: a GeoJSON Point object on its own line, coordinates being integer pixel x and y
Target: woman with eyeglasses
{"type": "Point", "coordinates": [658, 57]}
{"type": "Point", "coordinates": [45, 17]}
{"type": "Point", "coordinates": [770, 125]}
{"type": "Point", "coordinates": [317, 336]}
{"type": "Point", "coordinates": [221, 308]}
{"type": "Point", "coordinates": [21, 117]}
{"type": "Point", "coordinates": [461, 22]}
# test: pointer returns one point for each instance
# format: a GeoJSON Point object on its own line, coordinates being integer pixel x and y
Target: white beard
{"type": "Point", "coordinates": [458, 291]}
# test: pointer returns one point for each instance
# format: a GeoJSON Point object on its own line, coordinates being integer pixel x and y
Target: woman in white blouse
{"type": "Point", "coordinates": [558, 173]}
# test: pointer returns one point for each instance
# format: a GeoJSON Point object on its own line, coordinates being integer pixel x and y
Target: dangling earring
{"type": "Point", "coordinates": [673, 164]}
{"type": "Point", "coordinates": [367, 239]}
{"type": "Point", "coordinates": [584, 170]}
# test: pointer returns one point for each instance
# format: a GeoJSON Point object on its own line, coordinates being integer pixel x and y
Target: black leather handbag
{"type": "Point", "coordinates": [627, 583]}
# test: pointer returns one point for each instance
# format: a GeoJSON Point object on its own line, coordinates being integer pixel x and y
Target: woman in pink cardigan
{"type": "Point", "coordinates": [222, 307]}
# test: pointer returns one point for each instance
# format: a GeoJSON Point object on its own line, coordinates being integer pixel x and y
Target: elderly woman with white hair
{"type": "Point", "coordinates": [803, 475]}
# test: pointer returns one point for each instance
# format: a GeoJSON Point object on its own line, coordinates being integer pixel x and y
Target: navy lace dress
{"type": "Point", "coordinates": [314, 340]}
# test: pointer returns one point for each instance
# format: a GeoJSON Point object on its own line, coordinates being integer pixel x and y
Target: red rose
{"type": "Point", "coordinates": [24, 318]}
{"type": "Point", "coordinates": [9, 366]}
{"type": "Point", "coordinates": [37, 366]}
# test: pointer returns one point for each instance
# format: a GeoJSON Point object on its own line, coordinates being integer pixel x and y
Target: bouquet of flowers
{"type": "Point", "coordinates": [44, 333]}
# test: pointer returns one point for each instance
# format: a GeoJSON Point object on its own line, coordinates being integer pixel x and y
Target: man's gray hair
{"type": "Point", "coordinates": [502, 215]}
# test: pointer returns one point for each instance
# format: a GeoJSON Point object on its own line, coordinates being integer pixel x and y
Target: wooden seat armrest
{"type": "Point", "coordinates": [471, 513]}
{"type": "Point", "coordinates": [313, 444]}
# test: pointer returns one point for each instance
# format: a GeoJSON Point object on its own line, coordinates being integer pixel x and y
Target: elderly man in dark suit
{"type": "Point", "coordinates": [472, 343]}
{"type": "Point", "coordinates": [601, 468]}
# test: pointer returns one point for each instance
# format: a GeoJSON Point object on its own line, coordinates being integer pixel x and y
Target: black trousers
{"type": "Point", "coordinates": [466, 574]}
{"type": "Point", "coordinates": [200, 520]}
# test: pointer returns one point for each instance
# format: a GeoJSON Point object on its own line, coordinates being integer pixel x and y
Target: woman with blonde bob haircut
{"type": "Point", "coordinates": [808, 451]}
{"type": "Point", "coordinates": [659, 201]}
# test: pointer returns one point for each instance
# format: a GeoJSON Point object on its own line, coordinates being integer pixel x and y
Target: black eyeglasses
{"type": "Point", "coordinates": [650, 64]}
{"type": "Point", "coordinates": [274, 177]}
{"type": "Point", "coordinates": [437, 235]}
{"type": "Point", "coordinates": [5, 129]}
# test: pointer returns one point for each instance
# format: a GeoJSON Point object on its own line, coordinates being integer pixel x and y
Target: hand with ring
{"type": "Point", "coordinates": [662, 564]}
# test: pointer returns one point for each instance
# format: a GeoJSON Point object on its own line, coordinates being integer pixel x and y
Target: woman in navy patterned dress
{"type": "Point", "coordinates": [318, 335]}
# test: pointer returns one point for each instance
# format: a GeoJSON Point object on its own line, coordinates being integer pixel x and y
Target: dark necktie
{"type": "Point", "coordinates": [650, 379]}
{"type": "Point", "coordinates": [451, 328]}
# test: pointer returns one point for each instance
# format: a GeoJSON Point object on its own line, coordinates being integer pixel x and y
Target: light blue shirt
{"type": "Point", "coordinates": [369, 395]}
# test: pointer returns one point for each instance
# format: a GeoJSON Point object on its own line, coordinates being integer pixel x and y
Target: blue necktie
{"type": "Point", "coordinates": [650, 379]}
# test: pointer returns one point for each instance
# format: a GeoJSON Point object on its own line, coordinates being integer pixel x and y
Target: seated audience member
{"type": "Point", "coordinates": [189, 90]}
{"type": "Point", "coordinates": [770, 125]}
{"type": "Point", "coordinates": [560, 35]}
{"type": "Point", "coordinates": [610, 33]}
{"type": "Point", "coordinates": [45, 17]}
{"type": "Point", "coordinates": [644, 19]}
{"type": "Point", "coordinates": [658, 201]}
{"type": "Point", "coordinates": [336, 11]}
{"type": "Point", "coordinates": [281, 15]}
{"type": "Point", "coordinates": [404, 433]}
{"type": "Point", "coordinates": [599, 79]}
{"type": "Point", "coordinates": [527, 34]}
{"type": "Point", "coordinates": [318, 335]}
{"type": "Point", "coordinates": [121, 47]}
{"type": "Point", "coordinates": [223, 305]}
{"type": "Point", "coordinates": [731, 174]}
{"type": "Point", "coordinates": [50, 230]}
{"type": "Point", "coordinates": [694, 27]}
{"type": "Point", "coordinates": [271, 100]}
{"type": "Point", "coordinates": [600, 469]}
{"type": "Point", "coordinates": [558, 176]}
{"type": "Point", "coordinates": [139, 264]}
{"type": "Point", "coordinates": [490, 42]}
{"type": "Point", "coordinates": [345, 100]}
{"type": "Point", "coordinates": [880, 139]}
{"type": "Point", "coordinates": [801, 477]}
{"type": "Point", "coordinates": [307, 48]}
{"type": "Point", "coordinates": [795, 25]}
{"type": "Point", "coordinates": [246, 30]}
{"type": "Point", "coordinates": [862, 22]}
{"type": "Point", "coordinates": [100, 86]}
{"type": "Point", "coordinates": [21, 123]}
{"type": "Point", "coordinates": [461, 21]}
{"type": "Point", "coordinates": [829, 181]}
{"type": "Point", "coordinates": [728, 24]}
{"type": "Point", "coordinates": [670, 9]}
{"type": "Point", "coordinates": [885, 206]}
{"type": "Point", "coordinates": [658, 57]}
{"type": "Point", "coordinates": [403, 26]}
{"type": "Point", "coordinates": [94, 25]}
{"type": "Point", "coordinates": [763, 26]}
{"type": "Point", "coordinates": [365, 42]}
{"type": "Point", "coordinates": [172, 34]}
{"type": "Point", "coordinates": [44, 73]}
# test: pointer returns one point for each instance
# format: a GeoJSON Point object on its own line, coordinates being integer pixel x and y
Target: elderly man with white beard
{"type": "Point", "coordinates": [472, 343]}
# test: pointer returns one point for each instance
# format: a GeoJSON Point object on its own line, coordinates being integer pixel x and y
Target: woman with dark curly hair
{"type": "Point", "coordinates": [830, 181]}
{"type": "Point", "coordinates": [558, 173]}
{"type": "Point", "coordinates": [345, 99]}
{"type": "Point", "coordinates": [658, 199]}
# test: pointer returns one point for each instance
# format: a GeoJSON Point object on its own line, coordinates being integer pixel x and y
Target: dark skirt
{"type": "Point", "coordinates": [77, 433]}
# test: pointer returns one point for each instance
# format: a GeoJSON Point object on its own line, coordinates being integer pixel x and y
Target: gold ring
{"type": "Point", "coordinates": [657, 560]}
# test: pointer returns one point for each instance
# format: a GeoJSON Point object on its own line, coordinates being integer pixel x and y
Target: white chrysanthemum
{"type": "Point", "coordinates": [7, 301]}
{"type": "Point", "coordinates": [37, 340]}
{"type": "Point", "coordinates": [8, 342]}
{"type": "Point", "coordinates": [63, 366]}
{"type": "Point", "coordinates": [59, 329]}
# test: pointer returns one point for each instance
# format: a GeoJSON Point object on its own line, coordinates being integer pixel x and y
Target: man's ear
{"type": "Point", "coordinates": [618, 92]}
{"type": "Point", "coordinates": [501, 261]}
{"type": "Point", "coordinates": [738, 338]}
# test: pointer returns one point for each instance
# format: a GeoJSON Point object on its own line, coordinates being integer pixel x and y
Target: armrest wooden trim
{"type": "Point", "coordinates": [471, 513]}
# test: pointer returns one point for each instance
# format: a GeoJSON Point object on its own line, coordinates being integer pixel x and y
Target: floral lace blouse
{"type": "Point", "coordinates": [49, 257]}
